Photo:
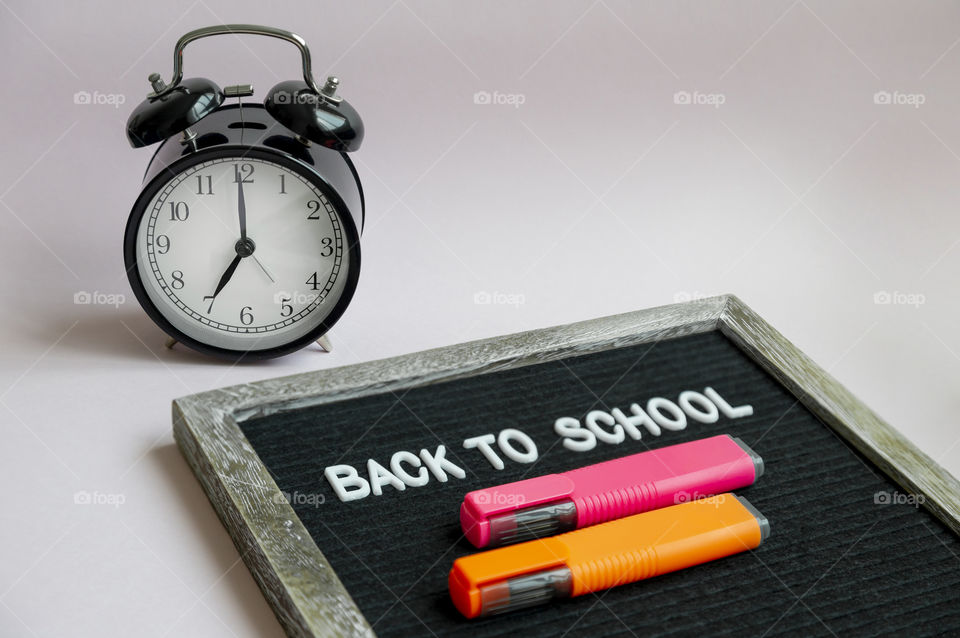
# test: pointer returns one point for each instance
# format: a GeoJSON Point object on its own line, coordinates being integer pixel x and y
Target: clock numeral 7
{"type": "Point", "coordinates": [243, 173]}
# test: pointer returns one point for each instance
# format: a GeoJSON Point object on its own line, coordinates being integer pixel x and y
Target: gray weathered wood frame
{"type": "Point", "coordinates": [298, 581]}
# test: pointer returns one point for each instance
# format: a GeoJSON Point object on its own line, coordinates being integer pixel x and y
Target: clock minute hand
{"type": "Point", "coordinates": [241, 209]}
{"type": "Point", "coordinates": [227, 274]}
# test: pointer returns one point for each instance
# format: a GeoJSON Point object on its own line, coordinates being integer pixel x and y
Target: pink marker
{"type": "Point", "coordinates": [556, 503]}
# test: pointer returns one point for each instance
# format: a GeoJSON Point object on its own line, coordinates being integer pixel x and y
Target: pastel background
{"type": "Point", "coordinates": [525, 165]}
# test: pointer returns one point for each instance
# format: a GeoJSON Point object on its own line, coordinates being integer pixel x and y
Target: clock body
{"type": "Point", "coordinates": [271, 287]}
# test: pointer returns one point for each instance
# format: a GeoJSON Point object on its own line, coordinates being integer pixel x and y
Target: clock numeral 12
{"type": "Point", "coordinates": [243, 173]}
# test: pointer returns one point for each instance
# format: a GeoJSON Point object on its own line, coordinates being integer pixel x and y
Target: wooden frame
{"type": "Point", "coordinates": [294, 575]}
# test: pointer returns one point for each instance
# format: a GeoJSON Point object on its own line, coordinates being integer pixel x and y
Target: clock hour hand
{"type": "Point", "coordinates": [227, 274]}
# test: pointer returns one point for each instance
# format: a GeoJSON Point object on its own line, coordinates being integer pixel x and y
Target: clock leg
{"type": "Point", "coordinates": [170, 342]}
{"type": "Point", "coordinates": [324, 342]}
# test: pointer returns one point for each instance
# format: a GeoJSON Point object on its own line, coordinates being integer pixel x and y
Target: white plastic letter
{"type": "Point", "coordinates": [412, 459]}
{"type": "Point", "coordinates": [439, 465]}
{"type": "Point", "coordinates": [698, 407]}
{"type": "Point", "coordinates": [482, 443]}
{"type": "Point", "coordinates": [380, 476]}
{"type": "Point", "coordinates": [574, 437]}
{"type": "Point", "coordinates": [638, 417]}
{"type": "Point", "coordinates": [728, 411]}
{"type": "Point", "coordinates": [342, 477]}
{"type": "Point", "coordinates": [593, 421]}
{"type": "Point", "coordinates": [676, 420]}
{"type": "Point", "coordinates": [506, 439]}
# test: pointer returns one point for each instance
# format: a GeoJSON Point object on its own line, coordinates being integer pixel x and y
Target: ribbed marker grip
{"type": "Point", "coordinates": [605, 555]}
{"type": "Point", "coordinates": [659, 541]}
{"type": "Point", "coordinates": [606, 491]}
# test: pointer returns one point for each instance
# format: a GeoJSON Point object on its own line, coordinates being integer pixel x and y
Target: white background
{"type": "Point", "coordinates": [599, 194]}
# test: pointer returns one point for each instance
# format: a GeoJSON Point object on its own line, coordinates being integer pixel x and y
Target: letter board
{"type": "Point", "coordinates": [862, 524]}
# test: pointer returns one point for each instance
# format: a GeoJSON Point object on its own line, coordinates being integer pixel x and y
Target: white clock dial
{"type": "Point", "coordinates": [251, 290]}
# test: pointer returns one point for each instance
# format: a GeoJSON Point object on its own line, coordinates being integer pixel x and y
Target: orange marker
{"type": "Point", "coordinates": [605, 555]}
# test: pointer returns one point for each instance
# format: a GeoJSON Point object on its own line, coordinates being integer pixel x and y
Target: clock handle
{"type": "Point", "coordinates": [250, 29]}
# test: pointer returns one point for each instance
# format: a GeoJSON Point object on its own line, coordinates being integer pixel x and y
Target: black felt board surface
{"type": "Point", "coordinates": [836, 562]}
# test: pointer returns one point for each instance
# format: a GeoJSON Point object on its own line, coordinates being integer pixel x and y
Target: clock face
{"type": "Point", "coordinates": [243, 254]}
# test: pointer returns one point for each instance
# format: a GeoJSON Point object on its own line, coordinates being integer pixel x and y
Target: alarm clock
{"type": "Point", "coordinates": [244, 240]}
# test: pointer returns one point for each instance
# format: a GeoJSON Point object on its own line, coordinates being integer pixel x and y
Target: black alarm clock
{"type": "Point", "coordinates": [244, 241]}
